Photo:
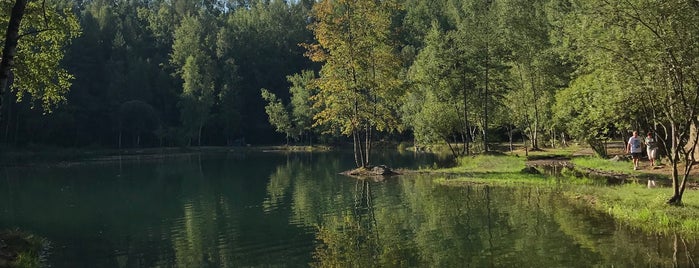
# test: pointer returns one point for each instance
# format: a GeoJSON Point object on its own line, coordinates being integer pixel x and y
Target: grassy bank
{"type": "Point", "coordinates": [643, 208]}
{"type": "Point", "coordinates": [630, 203]}
{"type": "Point", "coordinates": [504, 170]}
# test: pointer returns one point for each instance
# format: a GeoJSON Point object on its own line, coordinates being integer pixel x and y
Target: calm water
{"type": "Point", "coordinates": [278, 210]}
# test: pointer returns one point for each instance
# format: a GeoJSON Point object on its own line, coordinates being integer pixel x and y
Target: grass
{"type": "Point", "coordinates": [643, 208]}
{"type": "Point", "coordinates": [497, 170]}
{"type": "Point", "coordinates": [568, 151]}
{"type": "Point", "coordinates": [604, 164]}
{"type": "Point", "coordinates": [487, 164]}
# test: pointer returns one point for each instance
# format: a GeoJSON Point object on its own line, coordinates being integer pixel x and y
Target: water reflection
{"type": "Point", "coordinates": [228, 210]}
{"type": "Point", "coordinates": [485, 226]}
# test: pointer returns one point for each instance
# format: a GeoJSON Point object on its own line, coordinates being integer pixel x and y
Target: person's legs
{"type": "Point", "coordinates": [652, 156]}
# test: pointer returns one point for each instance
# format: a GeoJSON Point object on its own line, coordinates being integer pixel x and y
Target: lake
{"type": "Point", "coordinates": [294, 210]}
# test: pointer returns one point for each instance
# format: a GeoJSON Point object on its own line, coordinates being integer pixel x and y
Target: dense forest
{"type": "Point", "coordinates": [146, 73]}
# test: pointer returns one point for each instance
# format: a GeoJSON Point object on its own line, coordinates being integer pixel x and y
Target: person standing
{"type": "Point", "coordinates": [651, 148]}
{"type": "Point", "coordinates": [633, 146]}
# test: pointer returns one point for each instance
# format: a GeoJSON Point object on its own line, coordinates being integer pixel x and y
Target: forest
{"type": "Point", "coordinates": [153, 73]}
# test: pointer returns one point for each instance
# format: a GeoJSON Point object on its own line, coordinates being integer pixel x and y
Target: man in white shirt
{"type": "Point", "coordinates": [633, 146]}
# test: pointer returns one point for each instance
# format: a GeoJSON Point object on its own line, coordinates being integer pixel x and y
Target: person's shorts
{"type": "Point", "coordinates": [652, 153]}
{"type": "Point", "coordinates": [635, 155]}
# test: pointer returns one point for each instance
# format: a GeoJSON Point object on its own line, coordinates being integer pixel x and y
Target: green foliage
{"type": "Point", "coordinates": [536, 72]}
{"type": "Point", "coordinates": [46, 29]}
{"type": "Point", "coordinates": [647, 48]}
{"type": "Point", "coordinates": [435, 108]}
{"type": "Point", "coordinates": [358, 84]}
{"type": "Point", "coordinates": [302, 110]}
{"type": "Point", "coordinates": [295, 119]}
{"type": "Point", "coordinates": [592, 108]}
{"type": "Point", "coordinates": [277, 113]}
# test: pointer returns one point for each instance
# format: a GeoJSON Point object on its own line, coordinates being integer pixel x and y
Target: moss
{"type": "Point", "coordinates": [21, 249]}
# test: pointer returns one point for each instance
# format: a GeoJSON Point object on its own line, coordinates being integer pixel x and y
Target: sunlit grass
{"type": "Point", "coordinates": [604, 164]}
{"type": "Point", "coordinates": [566, 151]}
{"type": "Point", "coordinates": [643, 208]}
{"type": "Point", "coordinates": [487, 164]}
{"type": "Point", "coordinates": [501, 179]}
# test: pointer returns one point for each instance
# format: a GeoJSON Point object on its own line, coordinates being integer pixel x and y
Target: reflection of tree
{"type": "Point", "coordinates": [279, 184]}
{"type": "Point", "coordinates": [346, 242]}
{"type": "Point", "coordinates": [318, 191]}
{"type": "Point", "coordinates": [485, 226]}
{"type": "Point", "coordinates": [206, 221]}
{"type": "Point", "coordinates": [411, 222]}
{"type": "Point", "coordinates": [625, 247]}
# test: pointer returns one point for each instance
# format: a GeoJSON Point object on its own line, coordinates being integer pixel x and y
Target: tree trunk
{"type": "Point", "coordinates": [367, 147]}
{"type": "Point", "coordinates": [199, 134]}
{"type": "Point", "coordinates": [10, 50]}
{"type": "Point", "coordinates": [485, 102]}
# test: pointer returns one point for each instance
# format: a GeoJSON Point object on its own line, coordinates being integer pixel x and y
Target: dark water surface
{"type": "Point", "coordinates": [293, 210]}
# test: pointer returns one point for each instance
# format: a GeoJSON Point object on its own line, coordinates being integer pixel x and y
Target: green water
{"type": "Point", "coordinates": [293, 210]}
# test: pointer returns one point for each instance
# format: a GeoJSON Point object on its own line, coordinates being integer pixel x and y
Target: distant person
{"type": "Point", "coordinates": [651, 148]}
{"type": "Point", "coordinates": [634, 147]}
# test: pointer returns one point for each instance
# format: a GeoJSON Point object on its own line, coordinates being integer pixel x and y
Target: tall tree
{"type": "Point", "coordinates": [440, 104]}
{"type": "Point", "coordinates": [536, 72]}
{"type": "Point", "coordinates": [478, 35]}
{"type": "Point", "coordinates": [264, 37]}
{"type": "Point", "coordinates": [358, 84]}
{"type": "Point", "coordinates": [197, 70]}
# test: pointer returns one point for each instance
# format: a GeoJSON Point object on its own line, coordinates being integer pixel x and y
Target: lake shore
{"type": "Point", "coordinates": [62, 156]}
{"type": "Point", "coordinates": [629, 199]}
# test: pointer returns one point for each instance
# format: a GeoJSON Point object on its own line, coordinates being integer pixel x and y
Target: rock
{"type": "Point", "coordinates": [382, 170]}
{"type": "Point", "coordinates": [530, 170]}
{"type": "Point", "coordinates": [374, 171]}
{"type": "Point", "coordinates": [618, 158]}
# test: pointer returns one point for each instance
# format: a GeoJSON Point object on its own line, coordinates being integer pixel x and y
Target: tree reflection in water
{"type": "Point", "coordinates": [478, 225]}
{"type": "Point", "coordinates": [277, 210]}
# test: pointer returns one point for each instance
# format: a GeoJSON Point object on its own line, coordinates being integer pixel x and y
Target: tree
{"type": "Point", "coordinates": [440, 103]}
{"type": "Point", "coordinates": [197, 70]}
{"type": "Point", "coordinates": [278, 114]}
{"type": "Point", "coordinates": [136, 117]}
{"type": "Point", "coordinates": [296, 118]}
{"type": "Point", "coordinates": [588, 111]}
{"type": "Point", "coordinates": [33, 64]}
{"type": "Point", "coordinates": [536, 70]}
{"type": "Point", "coordinates": [302, 111]}
{"type": "Point", "coordinates": [263, 36]}
{"type": "Point", "coordinates": [478, 36]}
{"type": "Point", "coordinates": [358, 83]}
{"type": "Point", "coordinates": [649, 47]}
